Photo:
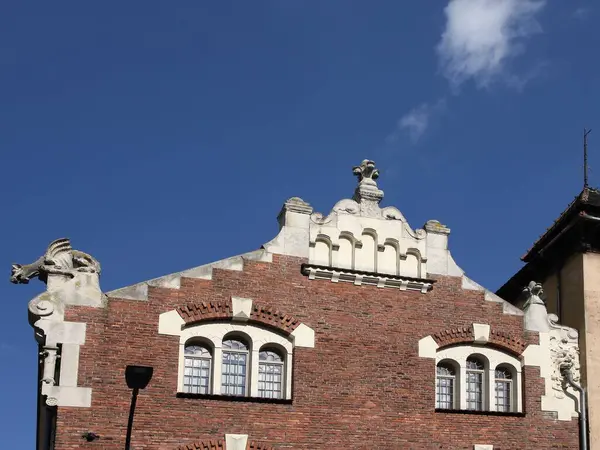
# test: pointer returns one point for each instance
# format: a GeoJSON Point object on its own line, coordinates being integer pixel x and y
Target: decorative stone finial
{"type": "Point", "coordinates": [60, 259]}
{"type": "Point", "coordinates": [367, 195]}
{"type": "Point", "coordinates": [536, 315]}
{"type": "Point", "coordinates": [366, 172]}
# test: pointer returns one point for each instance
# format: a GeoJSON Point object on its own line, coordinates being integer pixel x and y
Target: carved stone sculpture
{"type": "Point", "coordinates": [60, 259]}
{"type": "Point", "coordinates": [71, 278]}
{"type": "Point", "coordinates": [366, 171]}
{"type": "Point", "coordinates": [536, 315]}
{"type": "Point", "coordinates": [564, 351]}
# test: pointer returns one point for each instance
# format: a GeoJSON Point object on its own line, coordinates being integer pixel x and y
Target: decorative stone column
{"type": "Point", "coordinates": [71, 278]}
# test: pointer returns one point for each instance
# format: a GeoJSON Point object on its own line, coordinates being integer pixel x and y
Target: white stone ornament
{"type": "Point", "coordinates": [558, 349]}
{"type": "Point", "coordinates": [71, 278]}
{"type": "Point", "coordinates": [60, 259]}
{"type": "Point", "coordinates": [564, 351]}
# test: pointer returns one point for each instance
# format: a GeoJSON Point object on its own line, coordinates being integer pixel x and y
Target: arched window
{"type": "Point", "coordinates": [503, 377]}
{"type": "Point", "coordinates": [444, 386]}
{"type": "Point", "coordinates": [270, 374]}
{"type": "Point", "coordinates": [234, 367]}
{"type": "Point", "coordinates": [196, 376]}
{"type": "Point", "coordinates": [475, 372]}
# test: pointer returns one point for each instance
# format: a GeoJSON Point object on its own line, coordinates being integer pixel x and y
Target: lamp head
{"type": "Point", "coordinates": [138, 377]}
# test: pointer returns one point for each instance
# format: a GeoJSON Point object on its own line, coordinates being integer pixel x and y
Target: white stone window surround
{"type": "Point", "coordinates": [258, 338]}
{"type": "Point", "coordinates": [492, 358]}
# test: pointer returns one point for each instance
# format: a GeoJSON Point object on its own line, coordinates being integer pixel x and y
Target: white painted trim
{"type": "Point", "coordinates": [257, 337]}
{"type": "Point", "coordinates": [483, 447]}
{"type": "Point", "coordinates": [336, 275]}
{"type": "Point", "coordinates": [428, 347]}
{"type": "Point", "coordinates": [492, 358]}
{"type": "Point", "coordinates": [170, 323]}
{"type": "Point", "coordinates": [241, 308]}
{"type": "Point", "coordinates": [73, 396]}
{"type": "Point", "coordinates": [481, 332]}
{"type": "Point", "coordinates": [212, 333]}
{"type": "Point", "coordinates": [236, 441]}
{"type": "Point", "coordinates": [303, 336]}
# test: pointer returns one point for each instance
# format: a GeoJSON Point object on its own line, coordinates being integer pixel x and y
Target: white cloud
{"type": "Point", "coordinates": [417, 120]}
{"type": "Point", "coordinates": [482, 35]}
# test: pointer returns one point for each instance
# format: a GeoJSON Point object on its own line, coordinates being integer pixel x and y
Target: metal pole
{"type": "Point", "coordinates": [585, 161]}
{"type": "Point", "coordinates": [583, 425]}
{"type": "Point", "coordinates": [130, 422]}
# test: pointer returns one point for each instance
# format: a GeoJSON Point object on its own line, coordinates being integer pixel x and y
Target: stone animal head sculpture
{"type": "Point", "coordinates": [59, 259]}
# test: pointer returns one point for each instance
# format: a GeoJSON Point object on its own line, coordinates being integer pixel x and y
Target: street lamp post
{"type": "Point", "coordinates": [137, 377]}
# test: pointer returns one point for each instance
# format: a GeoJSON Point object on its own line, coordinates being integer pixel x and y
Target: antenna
{"type": "Point", "coordinates": [585, 164]}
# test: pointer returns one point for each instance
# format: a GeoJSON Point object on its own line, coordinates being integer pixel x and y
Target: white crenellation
{"type": "Point", "coordinates": [360, 235]}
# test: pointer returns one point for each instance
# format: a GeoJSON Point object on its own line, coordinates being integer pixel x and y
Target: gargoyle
{"type": "Point", "coordinates": [60, 259]}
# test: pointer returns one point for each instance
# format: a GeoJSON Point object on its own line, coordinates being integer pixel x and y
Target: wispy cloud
{"type": "Point", "coordinates": [6, 347]}
{"type": "Point", "coordinates": [582, 13]}
{"type": "Point", "coordinates": [479, 39]}
{"type": "Point", "coordinates": [417, 120]}
{"type": "Point", "coordinates": [481, 36]}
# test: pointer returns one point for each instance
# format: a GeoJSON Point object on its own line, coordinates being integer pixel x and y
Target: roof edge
{"type": "Point", "coordinates": [139, 291]}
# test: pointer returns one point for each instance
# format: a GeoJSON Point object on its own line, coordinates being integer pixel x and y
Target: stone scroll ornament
{"type": "Point", "coordinates": [60, 259]}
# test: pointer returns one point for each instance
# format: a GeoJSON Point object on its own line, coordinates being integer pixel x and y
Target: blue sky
{"type": "Point", "coordinates": [159, 137]}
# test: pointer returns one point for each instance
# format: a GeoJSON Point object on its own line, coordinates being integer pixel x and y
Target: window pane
{"type": "Point", "coordinates": [474, 364]}
{"type": "Point", "coordinates": [233, 374]}
{"type": "Point", "coordinates": [197, 350]}
{"type": "Point", "coordinates": [503, 396]}
{"type": "Point", "coordinates": [197, 375]}
{"type": "Point", "coordinates": [444, 386]}
{"type": "Point", "coordinates": [234, 344]}
{"type": "Point", "coordinates": [270, 378]}
{"type": "Point", "coordinates": [475, 390]}
{"type": "Point", "coordinates": [270, 356]}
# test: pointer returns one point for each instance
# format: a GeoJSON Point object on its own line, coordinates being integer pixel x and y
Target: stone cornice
{"type": "Point", "coordinates": [359, 278]}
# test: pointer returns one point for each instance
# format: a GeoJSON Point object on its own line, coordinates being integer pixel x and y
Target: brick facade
{"type": "Point", "coordinates": [363, 386]}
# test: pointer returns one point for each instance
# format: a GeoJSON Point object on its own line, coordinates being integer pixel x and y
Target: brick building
{"type": "Point", "coordinates": [347, 331]}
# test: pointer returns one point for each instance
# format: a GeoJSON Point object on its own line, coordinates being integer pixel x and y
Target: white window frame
{"type": "Point", "coordinates": [271, 363]}
{"type": "Point", "coordinates": [485, 405]}
{"type": "Point", "coordinates": [455, 381]}
{"type": "Point", "coordinates": [510, 382]}
{"type": "Point", "coordinates": [255, 336]}
{"type": "Point", "coordinates": [207, 347]}
{"type": "Point", "coordinates": [247, 352]}
{"type": "Point", "coordinates": [492, 358]}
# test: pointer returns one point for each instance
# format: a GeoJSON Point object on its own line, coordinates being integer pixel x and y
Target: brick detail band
{"type": "Point", "coordinates": [220, 445]}
{"type": "Point", "coordinates": [464, 335]}
{"type": "Point", "coordinates": [505, 340]}
{"type": "Point", "coordinates": [193, 313]}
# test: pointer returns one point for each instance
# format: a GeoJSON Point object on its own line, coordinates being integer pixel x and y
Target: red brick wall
{"type": "Point", "coordinates": [363, 386]}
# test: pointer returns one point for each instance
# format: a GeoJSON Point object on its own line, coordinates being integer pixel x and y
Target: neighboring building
{"type": "Point", "coordinates": [566, 261]}
{"type": "Point", "coordinates": [347, 331]}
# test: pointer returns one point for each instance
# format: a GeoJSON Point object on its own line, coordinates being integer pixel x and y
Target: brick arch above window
{"type": "Point", "coordinates": [240, 309]}
{"type": "Point", "coordinates": [482, 334]}
{"type": "Point", "coordinates": [236, 311]}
